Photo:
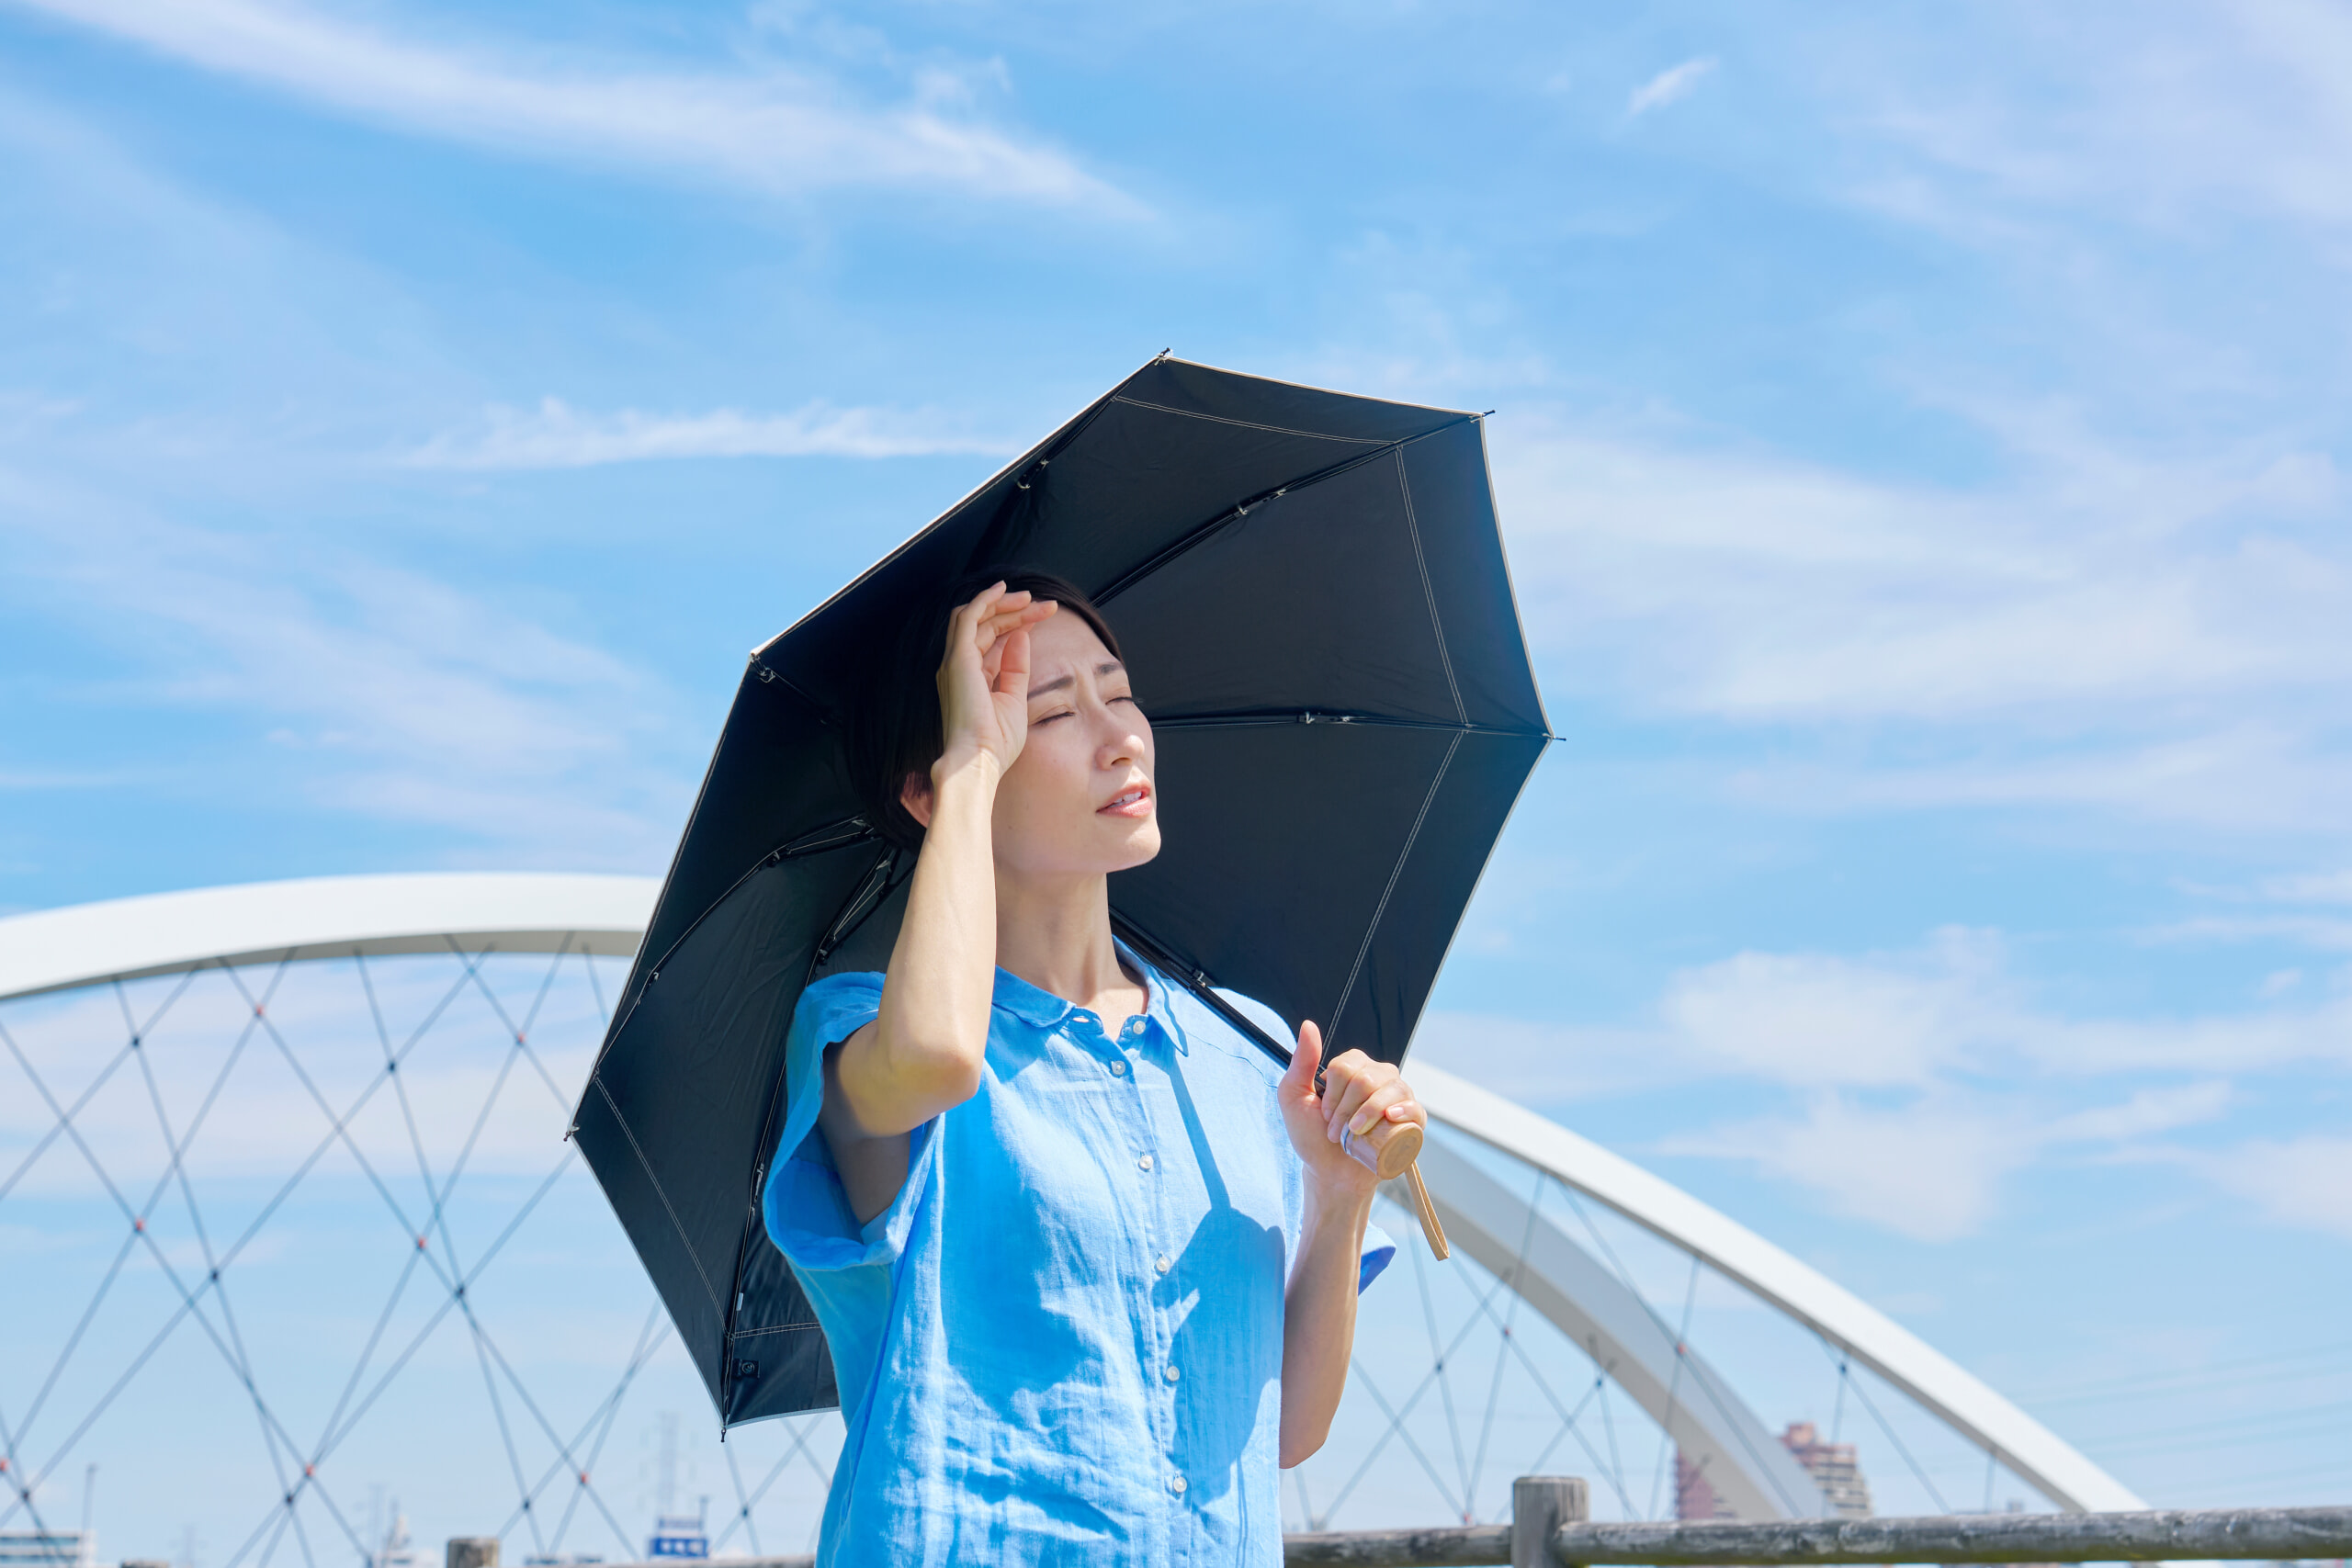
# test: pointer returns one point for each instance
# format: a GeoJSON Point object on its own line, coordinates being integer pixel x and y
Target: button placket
{"type": "Point", "coordinates": [1151, 1103]}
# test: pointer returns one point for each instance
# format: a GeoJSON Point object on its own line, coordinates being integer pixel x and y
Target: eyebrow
{"type": "Point", "coordinates": [1056, 684]}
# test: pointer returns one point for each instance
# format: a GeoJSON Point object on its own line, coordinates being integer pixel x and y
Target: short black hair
{"type": "Point", "coordinates": [895, 729]}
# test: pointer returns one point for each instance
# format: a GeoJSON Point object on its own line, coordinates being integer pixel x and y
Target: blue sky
{"type": "Point", "coordinates": [1917, 438]}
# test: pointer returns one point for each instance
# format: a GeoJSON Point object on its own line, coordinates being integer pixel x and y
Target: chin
{"type": "Point", "coordinates": [1140, 844]}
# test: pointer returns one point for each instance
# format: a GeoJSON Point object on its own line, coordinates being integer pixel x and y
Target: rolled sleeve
{"type": "Point", "coordinates": [1379, 1250]}
{"type": "Point", "coordinates": [805, 1208]}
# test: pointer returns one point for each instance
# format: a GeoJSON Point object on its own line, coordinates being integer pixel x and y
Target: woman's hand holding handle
{"type": "Point", "coordinates": [1355, 1111]}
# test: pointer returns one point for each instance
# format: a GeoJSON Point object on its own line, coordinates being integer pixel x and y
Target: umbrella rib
{"type": "Point", "coordinates": [1420, 560]}
{"type": "Point", "coordinates": [1244, 718]}
{"type": "Point", "coordinates": [1245, 423]}
{"type": "Point", "coordinates": [832, 836]}
{"type": "Point", "coordinates": [1381, 911]}
{"type": "Point", "coordinates": [1050, 447]}
{"type": "Point", "coordinates": [1217, 525]}
{"type": "Point", "coordinates": [692, 1256]}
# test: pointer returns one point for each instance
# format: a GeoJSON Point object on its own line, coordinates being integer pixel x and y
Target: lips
{"type": "Point", "coordinates": [1132, 801]}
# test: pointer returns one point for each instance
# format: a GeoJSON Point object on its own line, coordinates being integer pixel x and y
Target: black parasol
{"type": "Point", "coordinates": [1337, 753]}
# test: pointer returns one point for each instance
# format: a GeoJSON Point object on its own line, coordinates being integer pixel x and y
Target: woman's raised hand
{"type": "Point", "coordinates": [984, 677]}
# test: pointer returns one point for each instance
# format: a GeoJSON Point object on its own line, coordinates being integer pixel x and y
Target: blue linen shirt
{"type": "Point", "coordinates": [1062, 1343]}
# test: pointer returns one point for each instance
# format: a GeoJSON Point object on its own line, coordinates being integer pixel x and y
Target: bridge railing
{"type": "Point", "coordinates": [1550, 1529]}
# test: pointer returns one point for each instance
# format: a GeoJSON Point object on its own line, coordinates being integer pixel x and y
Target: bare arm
{"type": "Point", "coordinates": [1320, 1307]}
{"type": "Point", "coordinates": [922, 1055]}
{"type": "Point", "coordinates": [1319, 1318]}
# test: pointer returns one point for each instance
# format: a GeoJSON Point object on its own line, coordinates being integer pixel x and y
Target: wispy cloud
{"type": "Point", "coordinates": [1921, 1081]}
{"type": "Point", "coordinates": [1770, 588]}
{"type": "Point", "coordinates": [2305, 1182]}
{"type": "Point", "coordinates": [1915, 1018]}
{"type": "Point", "coordinates": [2235, 108]}
{"type": "Point", "coordinates": [772, 129]}
{"type": "Point", "coordinates": [556, 435]}
{"type": "Point", "coordinates": [390, 693]}
{"type": "Point", "coordinates": [1932, 1168]}
{"type": "Point", "coordinates": [66, 778]}
{"type": "Point", "coordinates": [2321, 932]}
{"type": "Point", "coordinates": [1542, 1064]}
{"type": "Point", "coordinates": [1670, 85]}
{"type": "Point", "coordinates": [2104, 627]}
{"type": "Point", "coordinates": [2324, 887]}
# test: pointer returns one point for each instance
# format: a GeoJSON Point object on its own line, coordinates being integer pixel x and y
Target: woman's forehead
{"type": "Point", "coordinates": [1063, 644]}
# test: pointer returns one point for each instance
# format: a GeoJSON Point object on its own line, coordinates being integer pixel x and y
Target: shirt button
{"type": "Point", "coordinates": [1118, 1069]}
{"type": "Point", "coordinates": [1172, 1374]}
{"type": "Point", "coordinates": [1144, 1162]}
{"type": "Point", "coordinates": [1163, 1263]}
{"type": "Point", "coordinates": [1176, 1484]}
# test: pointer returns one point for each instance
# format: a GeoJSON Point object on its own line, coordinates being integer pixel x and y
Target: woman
{"type": "Point", "coordinates": [1086, 1259]}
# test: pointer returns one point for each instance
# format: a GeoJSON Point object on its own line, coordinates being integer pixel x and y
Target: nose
{"type": "Point", "coordinates": [1126, 738]}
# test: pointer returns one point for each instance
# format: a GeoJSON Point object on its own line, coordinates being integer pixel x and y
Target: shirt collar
{"type": "Point", "coordinates": [1042, 1010]}
{"type": "Point", "coordinates": [1024, 1001]}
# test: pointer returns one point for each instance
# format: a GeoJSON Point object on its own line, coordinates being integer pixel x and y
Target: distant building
{"type": "Point", "coordinates": [1694, 1496]}
{"type": "Point", "coordinates": [47, 1549]}
{"type": "Point", "coordinates": [680, 1535]}
{"type": "Point", "coordinates": [1833, 1469]}
{"type": "Point", "coordinates": [397, 1552]}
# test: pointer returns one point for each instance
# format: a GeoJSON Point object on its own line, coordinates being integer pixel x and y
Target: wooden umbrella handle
{"type": "Point", "coordinates": [1389, 1151]}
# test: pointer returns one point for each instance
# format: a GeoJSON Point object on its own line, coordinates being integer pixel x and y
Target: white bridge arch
{"type": "Point", "coordinates": [171, 933]}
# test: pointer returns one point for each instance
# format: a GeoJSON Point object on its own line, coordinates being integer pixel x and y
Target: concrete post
{"type": "Point", "coordinates": [473, 1551]}
{"type": "Point", "coordinates": [1540, 1504]}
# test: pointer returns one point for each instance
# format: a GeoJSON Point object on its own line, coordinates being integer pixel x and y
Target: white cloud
{"type": "Point", "coordinates": [2306, 931]}
{"type": "Point", "coordinates": [773, 129]}
{"type": "Point", "coordinates": [1755, 588]}
{"type": "Point", "coordinates": [1816, 1018]}
{"type": "Point", "coordinates": [1916, 1019]}
{"type": "Point", "coordinates": [406, 696]}
{"type": "Point", "coordinates": [2146, 1113]}
{"type": "Point", "coordinates": [2304, 1182]}
{"type": "Point", "coordinates": [2238, 108]}
{"type": "Point", "coordinates": [1544, 1064]}
{"type": "Point", "coordinates": [1932, 1168]}
{"type": "Point", "coordinates": [1669, 86]}
{"type": "Point", "coordinates": [1896, 1059]}
{"type": "Point", "coordinates": [2233, 777]}
{"type": "Point", "coordinates": [2322, 887]}
{"type": "Point", "coordinates": [556, 435]}
{"type": "Point", "coordinates": [2160, 634]}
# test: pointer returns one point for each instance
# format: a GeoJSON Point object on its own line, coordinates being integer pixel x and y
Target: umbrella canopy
{"type": "Point", "coordinates": [1311, 595]}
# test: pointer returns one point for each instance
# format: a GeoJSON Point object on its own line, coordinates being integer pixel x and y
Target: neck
{"type": "Point", "coordinates": [1055, 934]}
